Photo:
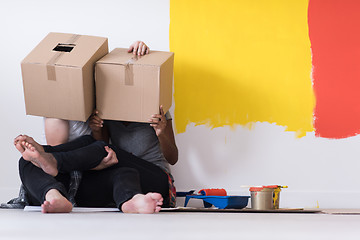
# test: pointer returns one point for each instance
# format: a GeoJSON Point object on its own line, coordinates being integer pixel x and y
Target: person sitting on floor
{"type": "Point", "coordinates": [132, 184]}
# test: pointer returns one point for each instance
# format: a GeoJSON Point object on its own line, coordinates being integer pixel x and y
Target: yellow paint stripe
{"type": "Point", "coordinates": [240, 62]}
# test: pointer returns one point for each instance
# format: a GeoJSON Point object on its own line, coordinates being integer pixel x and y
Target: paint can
{"type": "Point", "coordinates": [261, 198]}
{"type": "Point", "coordinates": [266, 197]}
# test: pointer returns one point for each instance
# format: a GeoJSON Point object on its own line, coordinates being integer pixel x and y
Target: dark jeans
{"type": "Point", "coordinates": [114, 185]}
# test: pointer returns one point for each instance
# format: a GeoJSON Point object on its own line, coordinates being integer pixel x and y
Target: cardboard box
{"type": "Point", "coordinates": [58, 76]}
{"type": "Point", "coordinates": [130, 87]}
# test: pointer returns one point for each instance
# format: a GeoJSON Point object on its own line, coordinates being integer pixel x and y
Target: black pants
{"type": "Point", "coordinates": [114, 185]}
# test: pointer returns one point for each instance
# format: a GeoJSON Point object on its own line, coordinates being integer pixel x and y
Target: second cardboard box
{"type": "Point", "coordinates": [131, 87]}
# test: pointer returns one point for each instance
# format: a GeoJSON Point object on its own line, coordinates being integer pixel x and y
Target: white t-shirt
{"type": "Point", "coordinates": [77, 129]}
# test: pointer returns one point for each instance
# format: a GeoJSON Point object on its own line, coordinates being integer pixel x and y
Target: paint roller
{"type": "Point", "coordinates": [213, 192]}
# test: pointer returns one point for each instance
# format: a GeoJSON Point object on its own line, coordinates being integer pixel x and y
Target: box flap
{"type": "Point", "coordinates": [65, 49]}
{"type": "Point", "coordinates": [122, 57]}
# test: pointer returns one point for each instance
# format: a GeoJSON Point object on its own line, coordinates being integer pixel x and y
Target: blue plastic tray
{"type": "Point", "coordinates": [221, 202]}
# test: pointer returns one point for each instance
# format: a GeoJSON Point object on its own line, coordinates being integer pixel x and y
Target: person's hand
{"type": "Point", "coordinates": [95, 122]}
{"type": "Point", "coordinates": [107, 161]}
{"type": "Point", "coordinates": [139, 48]}
{"type": "Point", "coordinates": [158, 122]}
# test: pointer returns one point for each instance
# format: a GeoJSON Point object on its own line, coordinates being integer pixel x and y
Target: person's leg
{"type": "Point", "coordinates": [151, 177]}
{"type": "Point", "coordinates": [81, 159]}
{"type": "Point", "coordinates": [72, 145]}
{"type": "Point", "coordinates": [119, 187]}
{"type": "Point", "coordinates": [108, 187]}
{"type": "Point", "coordinates": [43, 188]}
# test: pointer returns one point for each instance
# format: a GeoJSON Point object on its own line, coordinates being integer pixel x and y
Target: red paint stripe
{"type": "Point", "coordinates": [334, 30]}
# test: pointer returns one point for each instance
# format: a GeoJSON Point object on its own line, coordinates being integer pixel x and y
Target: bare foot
{"type": "Point", "coordinates": [30, 140]}
{"type": "Point", "coordinates": [19, 146]}
{"type": "Point", "coordinates": [55, 203]}
{"type": "Point", "coordinates": [140, 203]}
{"type": "Point", "coordinates": [21, 138]}
{"type": "Point", "coordinates": [45, 161]}
{"type": "Point", "coordinates": [17, 142]}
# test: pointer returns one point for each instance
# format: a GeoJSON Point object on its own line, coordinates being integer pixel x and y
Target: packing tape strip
{"type": "Point", "coordinates": [50, 65]}
{"type": "Point", "coordinates": [129, 76]}
{"type": "Point", "coordinates": [73, 39]}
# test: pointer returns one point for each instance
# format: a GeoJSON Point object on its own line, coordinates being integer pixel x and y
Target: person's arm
{"type": "Point", "coordinates": [98, 129]}
{"type": "Point", "coordinates": [164, 131]}
{"type": "Point", "coordinates": [168, 145]}
{"type": "Point", "coordinates": [56, 131]}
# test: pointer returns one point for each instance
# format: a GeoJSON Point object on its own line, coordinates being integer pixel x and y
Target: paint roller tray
{"type": "Point", "coordinates": [221, 202]}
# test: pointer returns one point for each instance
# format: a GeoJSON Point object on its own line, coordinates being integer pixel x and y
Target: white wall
{"type": "Point", "coordinates": [318, 171]}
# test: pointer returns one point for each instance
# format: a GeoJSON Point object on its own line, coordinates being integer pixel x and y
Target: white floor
{"type": "Point", "coordinates": [17, 224]}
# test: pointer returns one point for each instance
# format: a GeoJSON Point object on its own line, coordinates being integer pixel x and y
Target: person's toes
{"type": "Point", "coordinates": [45, 206]}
